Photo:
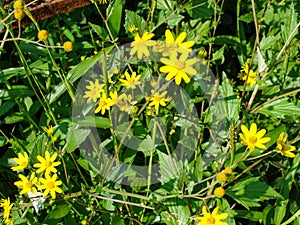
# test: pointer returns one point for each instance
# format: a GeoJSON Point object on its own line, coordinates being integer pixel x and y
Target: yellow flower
{"type": "Point", "coordinates": [131, 28]}
{"type": "Point", "coordinates": [251, 75]}
{"type": "Point", "coordinates": [94, 91]}
{"type": "Point", "coordinates": [131, 81]}
{"type": "Point", "coordinates": [211, 218]}
{"type": "Point", "coordinates": [27, 185]}
{"type": "Point", "coordinates": [158, 99]}
{"type": "Point", "coordinates": [5, 204]}
{"type": "Point", "coordinates": [43, 35]}
{"type": "Point", "coordinates": [202, 53]}
{"type": "Point", "coordinates": [228, 171]}
{"type": "Point", "coordinates": [19, 14]}
{"type": "Point", "coordinates": [172, 131]}
{"type": "Point", "coordinates": [221, 177]}
{"type": "Point", "coordinates": [47, 163]}
{"type": "Point", "coordinates": [126, 104]}
{"type": "Point", "coordinates": [114, 97]}
{"type": "Point", "coordinates": [178, 67]}
{"type": "Point", "coordinates": [18, 4]}
{"type": "Point", "coordinates": [49, 130]}
{"type": "Point", "coordinates": [252, 138]}
{"type": "Point", "coordinates": [104, 104]}
{"type": "Point", "coordinates": [22, 160]}
{"type": "Point", "coordinates": [283, 148]}
{"type": "Point", "coordinates": [68, 46]}
{"type": "Point", "coordinates": [140, 45]}
{"type": "Point", "coordinates": [50, 184]}
{"type": "Point", "coordinates": [219, 192]}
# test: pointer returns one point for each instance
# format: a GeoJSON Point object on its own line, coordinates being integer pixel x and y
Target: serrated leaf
{"type": "Point", "coordinates": [168, 167]}
{"type": "Point", "coordinates": [171, 18]}
{"type": "Point", "coordinates": [251, 191]}
{"type": "Point", "coordinates": [146, 146]}
{"type": "Point", "coordinates": [100, 31]}
{"type": "Point", "coordinates": [166, 4]}
{"type": "Point", "coordinates": [132, 18]}
{"type": "Point", "coordinates": [280, 108]}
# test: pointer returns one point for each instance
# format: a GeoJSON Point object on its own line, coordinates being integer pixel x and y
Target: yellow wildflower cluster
{"type": "Point", "coordinates": [43, 35]}
{"type": "Point", "coordinates": [175, 54]}
{"type": "Point", "coordinates": [248, 74]}
{"type": "Point", "coordinates": [48, 183]}
{"type": "Point", "coordinates": [18, 7]}
{"type": "Point", "coordinates": [222, 176]}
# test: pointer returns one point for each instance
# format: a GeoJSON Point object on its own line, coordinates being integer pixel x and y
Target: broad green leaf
{"type": "Point", "coordinates": [166, 4]}
{"type": "Point", "coordinates": [10, 72]}
{"type": "Point", "coordinates": [3, 141]}
{"type": "Point", "coordinates": [31, 48]}
{"type": "Point", "coordinates": [75, 137]}
{"type": "Point", "coordinates": [6, 106]}
{"type": "Point", "coordinates": [58, 213]}
{"type": "Point", "coordinates": [251, 191]}
{"type": "Point", "coordinates": [168, 167]}
{"type": "Point", "coordinates": [133, 19]}
{"type": "Point", "coordinates": [200, 9]}
{"type": "Point", "coordinates": [202, 30]}
{"type": "Point", "coordinates": [268, 41]}
{"type": "Point", "coordinates": [219, 54]}
{"type": "Point", "coordinates": [280, 109]}
{"type": "Point", "coordinates": [17, 91]}
{"type": "Point", "coordinates": [114, 16]}
{"type": "Point", "coordinates": [146, 146]}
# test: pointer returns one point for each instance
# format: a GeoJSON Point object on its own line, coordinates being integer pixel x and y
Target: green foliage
{"type": "Point", "coordinates": [155, 153]}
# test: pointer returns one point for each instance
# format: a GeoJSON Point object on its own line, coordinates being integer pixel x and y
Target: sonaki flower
{"type": "Point", "coordinates": [252, 138]}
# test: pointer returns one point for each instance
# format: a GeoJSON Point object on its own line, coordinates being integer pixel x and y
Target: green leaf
{"type": "Point", "coordinates": [171, 18]}
{"type": "Point", "coordinates": [31, 48]}
{"type": "Point", "coordinates": [166, 4]}
{"type": "Point", "coordinates": [219, 54]}
{"type": "Point", "coordinates": [58, 213]}
{"type": "Point", "coordinates": [114, 16]}
{"type": "Point", "coordinates": [133, 19]}
{"type": "Point", "coordinates": [249, 214]}
{"type": "Point", "coordinates": [200, 9]}
{"type": "Point", "coordinates": [226, 39]}
{"type": "Point", "coordinates": [92, 121]}
{"type": "Point", "coordinates": [17, 91]}
{"type": "Point", "coordinates": [100, 31]}
{"type": "Point", "coordinates": [230, 104]}
{"type": "Point", "coordinates": [251, 191]}
{"type": "Point", "coordinates": [280, 109]}
{"type": "Point", "coordinates": [146, 146]}
{"type": "Point", "coordinates": [75, 137]}
{"type": "Point", "coordinates": [168, 167]}
{"type": "Point", "coordinates": [6, 106]}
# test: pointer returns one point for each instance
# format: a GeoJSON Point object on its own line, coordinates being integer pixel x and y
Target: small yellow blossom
{"type": "Point", "coordinates": [131, 81]}
{"type": "Point", "coordinates": [104, 104]}
{"type": "Point", "coordinates": [68, 46]}
{"type": "Point", "coordinates": [172, 131]}
{"type": "Point", "coordinates": [126, 104]}
{"type": "Point", "coordinates": [114, 97]}
{"type": "Point", "coordinates": [49, 130]}
{"type": "Point", "coordinates": [252, 138]}
{"type": "Point", "coordinates": [83, 222]}
{"type": "Point", "coordinates": [43, 35]}
{"type": "Point", "coordinates": [221, 177]}
{"type": "Point", "coordinates": [22, 160]}
{"type": "Point", "coordinates": [19, 14]}
{"type": "Point", "coordinates": [219, 192]}
{"type": "Point", "coordinates": [50, 184]}
{"type": "Point", "coordinates": [211, 218]}
{"type": "Point", "coordinates": [18, 4]}
{"type": "Point", "coordinates": [251, 75]}
{"type": "Point", "coordinates": [283, 148]}
{"type": "Point", "coordinates": [27, 185]}
{"type": "Point", "coordinates": [228, 171]}
{"type": "Point", "coordinates": [178, 67]}
{"type": "Point", "coordinates": [158, 99]}
{"type": "Point", "coordinates": [48, 163]}
{"type": "Point", "coordinates": [140, 45]}
{"type": "Point", "coordinates": [5, 204]}
{"type": "Point", "coordinates": [131, 28]}
{"type": "Point", "coordinates": [94, 91]}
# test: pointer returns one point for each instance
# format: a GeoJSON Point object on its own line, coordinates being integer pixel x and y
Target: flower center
{"type": "Point", "coordinates": [157, 98]}
{"type": "Point", "coordinates": [102, 103]}
{"type": "Point", "coordinates": [180, 65]}
{"type": "Point", "coordinates": [130, 81]}
{"type": "Point", "coordinates": [50, 185]}
{"type": "Point", "coordinates": [210, 220]}
{"type": "Point", "coordinates": [28, 184]}
{"type": "Point", "coordinates": [23, 164]}
{"type": "Point", "coordinates": [252, 140]}
{"type": "Point", "coordinates": [48, 163]}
